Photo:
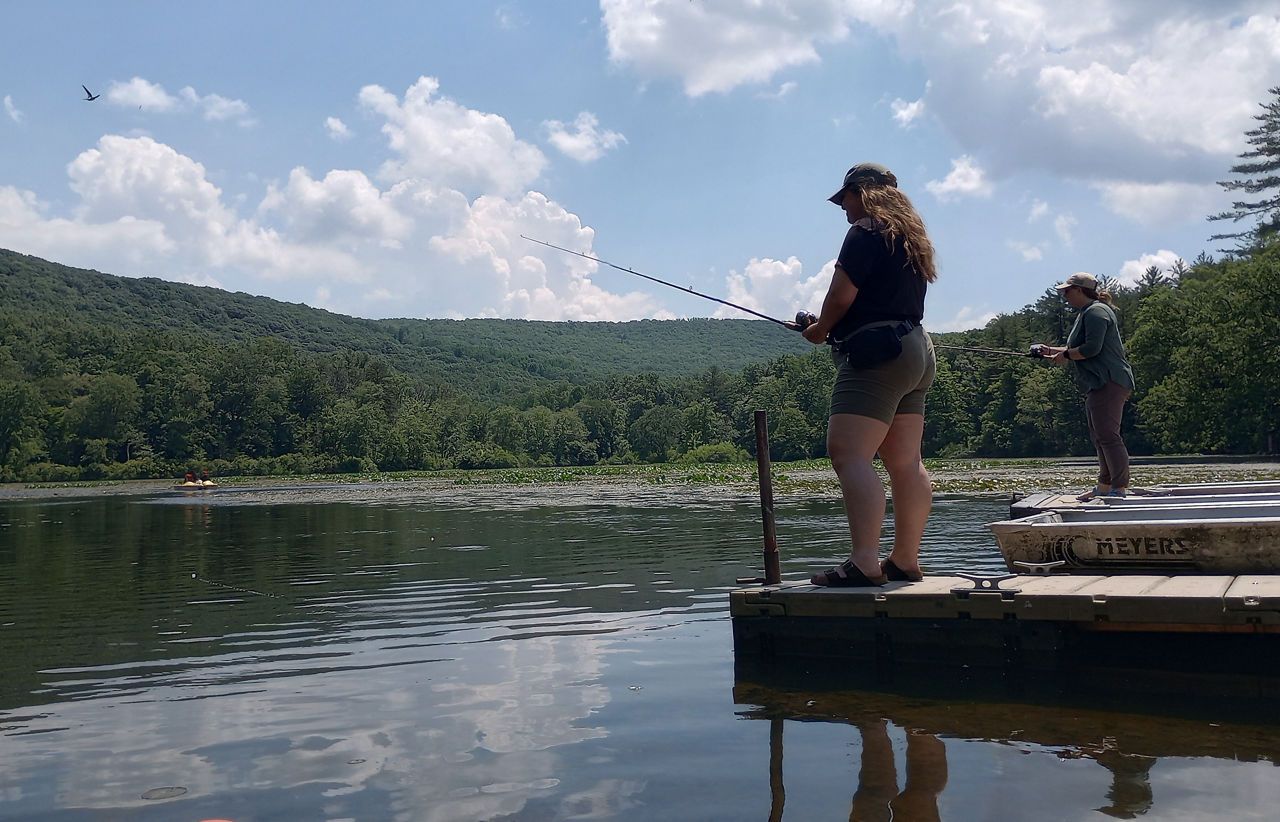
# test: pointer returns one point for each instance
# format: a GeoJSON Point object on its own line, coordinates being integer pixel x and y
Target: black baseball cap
{"type": "Point", "coordinates": [873, 173]}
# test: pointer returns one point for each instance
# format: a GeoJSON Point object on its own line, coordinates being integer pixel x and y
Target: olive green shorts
{"type": "Point", "coordinates": [894, 387]}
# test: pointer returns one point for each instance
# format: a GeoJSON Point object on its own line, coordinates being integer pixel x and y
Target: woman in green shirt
{"type": "Point", "coordinates": [1095, 347]}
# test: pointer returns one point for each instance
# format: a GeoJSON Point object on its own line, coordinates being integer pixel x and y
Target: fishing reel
{"type": "Point", "coordinates": [1037, 351]}
{"type": "Point", "coordinates": [804, 319]}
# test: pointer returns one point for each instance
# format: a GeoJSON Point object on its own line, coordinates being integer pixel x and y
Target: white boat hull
{"type": "Point", "coordinates": [1236, 537]}
{"type": "Point", "coordinates": [1264, 491]}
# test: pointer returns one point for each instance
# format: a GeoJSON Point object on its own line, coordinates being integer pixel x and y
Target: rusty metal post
{"type": "Point", "coordinates": [772, 571]}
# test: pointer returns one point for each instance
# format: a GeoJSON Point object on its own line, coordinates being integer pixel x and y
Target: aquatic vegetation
{"type": "Point", "coordinates": [810, 477]}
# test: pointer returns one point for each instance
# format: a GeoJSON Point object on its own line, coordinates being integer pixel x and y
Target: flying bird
{"type": "Point", "coordinates": [89, 95]}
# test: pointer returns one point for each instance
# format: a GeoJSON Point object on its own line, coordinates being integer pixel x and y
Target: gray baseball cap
{"type": "Point", "coordinates": [1081, 278]}
{"type": "Point", "coordinates": [872, 173]}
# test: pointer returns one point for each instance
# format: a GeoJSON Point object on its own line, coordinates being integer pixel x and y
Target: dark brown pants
{"type": "Point", "coordinates": [1103, 407]}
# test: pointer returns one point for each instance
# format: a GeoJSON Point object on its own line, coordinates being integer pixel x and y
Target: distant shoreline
{"type": "Point", "coordinates": [807, 478]}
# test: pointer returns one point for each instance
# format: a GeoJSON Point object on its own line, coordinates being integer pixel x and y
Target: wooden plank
{"type": "Point", "coordinates": [1075, 597]}
{"type": "Point", "coordinates": [1255, 598]}
{"type": "Point", "coordinates": [930, 598]}
{"type": "Point", "coordinates": [1189, 599]}
{"type": "Point", "coordinates": [1184, 598]}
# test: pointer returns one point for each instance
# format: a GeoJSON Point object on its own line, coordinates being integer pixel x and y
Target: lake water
{"type": "Point", "coordinates": [432, 652]}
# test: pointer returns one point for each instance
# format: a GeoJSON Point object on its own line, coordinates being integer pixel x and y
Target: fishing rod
{"type": "Point", "coordinates": [1036, 351]}
{"type": "Point", "coordinates": [803, 319]}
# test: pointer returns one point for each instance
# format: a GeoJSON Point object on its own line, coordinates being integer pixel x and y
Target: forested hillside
{"type": "Point", "coordinates": [499, 359]}
{"type": "Point", "coordinates": [107, 377]}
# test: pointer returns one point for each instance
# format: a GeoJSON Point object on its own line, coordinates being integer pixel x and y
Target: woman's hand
{"type": "Point", "coordinates": [1053, 353]}
{"type": "Point", "coordinates": [816, 334]}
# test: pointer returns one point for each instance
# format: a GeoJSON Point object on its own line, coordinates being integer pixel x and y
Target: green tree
{"type": "Point", "coordinates": [539, 422]}
{"type": "Point", "coordinates": [949, 422]}
{"type": "Point", "coordinates": [101, 420]}
{"type": "Point", "coordinates": [506, 429]}
{"type": "Point", "coordinates": [603, 422]}
{"type": "Point", "coordinates": [1259, 177]}
{"type": "Point", "coordinates": [180, 412]}
{"type": "Point", "coordinates": [1221, 389]}
{"type": "Point", "coordinates": [792, 437]}
{"type": "Point", "coordinates": [655, 436]}
{"type": "Point", "coordinates": [21, 410]}
{"type": "Point", "coordinates": [569, 445]}
{"type": "Point", "coordinates": [247, 387]}
{"type": "Point", "coordinates": [703, 425]}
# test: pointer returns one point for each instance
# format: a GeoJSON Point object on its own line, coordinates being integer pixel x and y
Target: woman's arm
{"type": "Point", "coordinates": [840, 295]}
{"type": "Point", "coordinates": [1095, 324]}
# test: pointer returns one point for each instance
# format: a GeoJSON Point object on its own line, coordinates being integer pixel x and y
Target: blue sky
{"type": "Point", "coordinates": [382, 160]}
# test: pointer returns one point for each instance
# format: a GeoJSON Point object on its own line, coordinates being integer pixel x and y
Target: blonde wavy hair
{"type": "Point", "coordinates": [891, 207]}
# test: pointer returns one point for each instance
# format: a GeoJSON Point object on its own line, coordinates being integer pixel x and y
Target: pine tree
{"type": "Point", "coordinates": [1260, 175]}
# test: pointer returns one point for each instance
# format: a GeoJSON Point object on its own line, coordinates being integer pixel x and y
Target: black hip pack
{"type": "Point", "coordinates": [871, 346]}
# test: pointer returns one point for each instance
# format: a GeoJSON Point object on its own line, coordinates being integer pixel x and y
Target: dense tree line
{"type": "Point", "coordinates": [85, 401]}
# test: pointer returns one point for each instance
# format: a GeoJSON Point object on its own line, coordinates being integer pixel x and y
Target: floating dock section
{"type": "Point", "coordinates": [1035, 621]}
{"type": "Point", "coordinates": [1261, 492]}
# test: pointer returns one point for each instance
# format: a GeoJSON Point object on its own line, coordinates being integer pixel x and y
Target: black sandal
{"type": "Point", "coordinates": [896, 574]}
{"type": "Point", "coordinates": [847, 575]}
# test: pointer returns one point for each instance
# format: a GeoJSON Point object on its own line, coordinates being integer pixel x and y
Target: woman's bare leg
{"type": "Point", "coordinates": [912, 489]}
{"type": "Point", "coordinates": [852, 442]}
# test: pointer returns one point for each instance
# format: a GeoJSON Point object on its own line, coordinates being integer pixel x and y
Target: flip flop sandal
{"type": "Point", "coordinates": [896, 574]}
{"type": "Point", "coordinates": [847, 575]}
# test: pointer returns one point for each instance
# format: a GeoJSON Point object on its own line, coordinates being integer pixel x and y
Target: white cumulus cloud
{"type": "Point", "coordinates": [337, 129]}
{"type": "Point", "coordinates": [586, 142]}
{"type": "Point", "coordinates": [148, 96]}
{"type": "Point", "coordinates": [1064, 226]}
{"type": "Point", "coordinates": [534, 281]}
{"type": "Point", "coordinates": [1029, 252]}
{"type": "Point", "coordinates": [966, 318]}
{"type": "Point", "coordinates": [1131, 271]}
{"type": "Point", "coordinates": [905, 114]}
{"type": "Point", "coordinates": [776, 288]}
{"type": "Point", "coordinates": [344, 206]}
{"type": "Point", "coordinates": [217, 107]}
{"type": "Point", "coordinates": [716, 46]}
{"type": "Point", "coordinates": [142, 202]}
{"type": "Point", "coordinates": [143, 94]}
{"type": "Point", "coordinates": [448, 144]}
{"type": "Point", "coordinates": [1140, 91]}
{"type": "Point", "coordinates": [965, 180]}
{"type": "Point", "coordinates": [12, 110]}
{"type": "Point", "coordinates": [1155, 204]}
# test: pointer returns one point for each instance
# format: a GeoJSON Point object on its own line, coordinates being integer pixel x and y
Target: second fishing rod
{"type": "Point", "coordinates": [803, 319]}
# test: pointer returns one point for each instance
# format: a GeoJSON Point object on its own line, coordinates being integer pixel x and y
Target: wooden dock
{"type": "Point", "coordinates": [1038, 622]}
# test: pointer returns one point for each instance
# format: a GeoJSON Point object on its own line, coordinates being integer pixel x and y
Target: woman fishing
{"type": "Point", "coordinates": [1095, 347]}
{"type": "Point", "coordinates": [885, 365]}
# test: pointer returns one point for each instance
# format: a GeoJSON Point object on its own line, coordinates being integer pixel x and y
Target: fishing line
{"type": "Point", "coordinates": [802, 320]}
{"type": "Point", "coordinates": [1034, 353]}
{"type": "Point", "coordinates": [784, 323]}
{"type": "Point", "coordinates": [233, 587]}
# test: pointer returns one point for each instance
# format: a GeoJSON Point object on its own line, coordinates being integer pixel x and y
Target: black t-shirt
{"type": "Point", "coordinates": [889, 286]}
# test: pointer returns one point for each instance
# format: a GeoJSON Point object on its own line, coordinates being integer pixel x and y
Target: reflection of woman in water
{"type": "Point", "coordinates": [878, 798]}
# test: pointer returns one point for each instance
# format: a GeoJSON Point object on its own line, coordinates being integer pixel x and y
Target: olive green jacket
{"type": "Point", "coordinates": [1096, 334]}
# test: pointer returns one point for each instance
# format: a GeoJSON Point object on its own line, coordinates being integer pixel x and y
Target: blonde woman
{"type": "Point", "coordinates": [885, 364]}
